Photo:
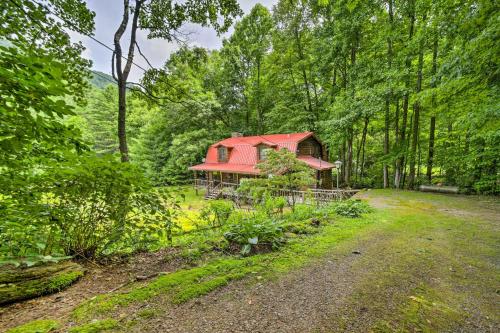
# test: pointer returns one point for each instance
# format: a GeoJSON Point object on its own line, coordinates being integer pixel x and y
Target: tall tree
{"type": "Point", "coordinates": [400, 162]}
{"type": "Point", "coordinates": [162, 19]}
{"type": "Point", "coordinates": [417, 105]}
{"type": "Point", "coordinates": [389, 93]}
{"type": "Point", "coordinates": [252, 40]}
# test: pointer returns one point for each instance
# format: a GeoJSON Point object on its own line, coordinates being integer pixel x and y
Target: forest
{"type": "Point", "coordinates": [95, 185]}
{"type": "Point", "coordinates": [403, 92]}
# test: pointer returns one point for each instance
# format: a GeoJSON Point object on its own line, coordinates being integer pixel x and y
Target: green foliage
{"type": "Point", "coordinates": [186, 149]}
{"type": "Point", "coordinates": [300, 228]}
{"type": "Point", "coordinates": [86, 206]}
{"type": "Point", "coordinates": [36, 326]}
{"type": "Point", "coordinates": [254, 232]}
{"type": "Point", "coordinates": [31, 91]}
{"type": "Point", "coordinates": [217, 212]}
{"type": "Point", "coordinates": [283, 170]}
{"type": "Point", "coordinates": [350, 208]}
{"type": "Point", "coordinates": [272, 206]}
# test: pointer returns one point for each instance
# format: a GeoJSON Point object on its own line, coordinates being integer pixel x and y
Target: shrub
{"type": "Point", "coordinates": [272, 206]}
{"type": "Point", "coordinates": [217, 212]}
{"type": "Point", "coordinates": [300, 213]}
{"type": "Point", "coordinates": [87, 206]}
{"type": "Point", "coordinates": [350, 208]}
{"type": "Point", "coordinates": [301, 228]}
{"type": "Point", "coordinates": [253, 232]}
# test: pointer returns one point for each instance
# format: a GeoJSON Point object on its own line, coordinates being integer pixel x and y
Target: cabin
{"type": "Point", "coordinates": [235, 158]}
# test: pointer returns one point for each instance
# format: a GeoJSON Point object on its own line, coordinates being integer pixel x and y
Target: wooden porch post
{"type": "Point", "coordinates": [195, 184]}
{"type": "Point", "coordinates": [221, 176]}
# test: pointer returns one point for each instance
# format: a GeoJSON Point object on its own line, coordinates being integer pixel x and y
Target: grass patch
{"type": "Point", "coordinates": [36, 326]}
{"type": "Point", "coordinates": [95, 327]}
{"type": "Point", "coordinates": [147, 313]}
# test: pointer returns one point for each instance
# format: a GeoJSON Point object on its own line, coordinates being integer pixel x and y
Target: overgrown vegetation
{"type": "Point", "coordinates": [187, 284]}
{"type": "Point", "coordinates": [85, 207]}
{"type": "Point", "coordinates": [403, 92]}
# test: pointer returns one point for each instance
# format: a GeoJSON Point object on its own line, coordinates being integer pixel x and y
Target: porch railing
{"type": "Point", "coordinates": [311, 196]}
{"type": "Point", "coordinates": [202, 183]}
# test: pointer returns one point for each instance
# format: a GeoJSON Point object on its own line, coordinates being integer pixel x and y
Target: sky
{"type": "Point", "coordinates": [108, 17]}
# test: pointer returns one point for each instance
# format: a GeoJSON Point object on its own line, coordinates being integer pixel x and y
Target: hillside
{"type": "Point", "coordinates": [101, 80]}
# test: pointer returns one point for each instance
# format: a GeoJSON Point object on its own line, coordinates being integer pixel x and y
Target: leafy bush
{"type": "Point", "coordinates": [217, 212]}
{"type": "Point", "coordinates": [85, 206]}
{"type": "Point", "coordinates": [253, 232]}
{"type": "Point", "coordinates": [301, 228]}
{"type": "Point", "coordinates": [350, 208]}
{"type": "Point", "coordinates": [272, 206]}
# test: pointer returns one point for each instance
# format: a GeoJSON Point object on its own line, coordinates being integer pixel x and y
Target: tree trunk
{"type": "Point", "coordinates": [432, 129]}
{"type": "Point", "coordinates": [430, 158]}
{"type": "Point", "coordinates": [405, 152]}
{"type": "Point", "coordinates": [350, 129]}
{"type": "Point", "coordinates": [386, 142]}
{"type": "Point", "coordinates": [343, 158]}
{"type": "Point", "coordinates": [416, 110]}
{"type": "Point", "coordinates": [259, 107]}
{"type": "Point", "coordinates": [304, 76]}
{"type": "Point", "coordinates": [20, 284]}
{"type": "Point", "coordinates": [122, 73]}
{"type": "Point", "coordinates": [363, 142]}
{"type": "Point", "coordinates": [358, 152]}
{"type": "Point", "coordinates": [401, 159]}
{"type": "Point", "coordinates": [388, 101]}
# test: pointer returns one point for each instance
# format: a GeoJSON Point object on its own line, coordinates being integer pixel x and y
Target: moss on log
{"type": "Point", "coordinates": [20, 284]}
{"type": "Point", "coordinates": [36, 326]}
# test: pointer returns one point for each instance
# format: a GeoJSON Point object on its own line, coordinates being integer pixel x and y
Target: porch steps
{"type": "Point", "coordinates": [212, 196]}
{"type": "Point", "coordinates": [213, 192]}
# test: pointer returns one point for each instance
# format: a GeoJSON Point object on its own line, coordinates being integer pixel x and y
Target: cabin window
{"type": "Point", "coordinates": [222, 154]}
{"type": "Point", "coordinates": [263, 151]}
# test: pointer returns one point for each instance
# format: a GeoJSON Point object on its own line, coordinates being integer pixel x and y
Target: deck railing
{"type": "Point", "coordinates": [202, 183]}
{"type": "Point", "coordinates": [311, 196]}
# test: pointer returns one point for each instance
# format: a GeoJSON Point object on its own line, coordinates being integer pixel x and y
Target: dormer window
{"type": "Point", "coordinates": [263, 151]}
{"type": "Point", "coordinates": [222, 154]}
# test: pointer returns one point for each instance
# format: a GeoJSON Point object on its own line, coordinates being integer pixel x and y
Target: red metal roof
{"type": "Point", "coordinates": [316, 163]}
{"type": "Point", "coordinates": [243, 153]}
{"type": "Point", "coordinates": [227, 167]}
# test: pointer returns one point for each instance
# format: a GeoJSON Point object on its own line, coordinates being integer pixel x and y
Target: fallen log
{"type": "Point", "coordinates": [17, 284]}
{"type": "Point", "coordinates": [440, 189]}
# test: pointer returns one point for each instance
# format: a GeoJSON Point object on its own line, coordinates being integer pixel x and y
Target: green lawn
{"type": "Point", "coordinates": [191, 204]}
